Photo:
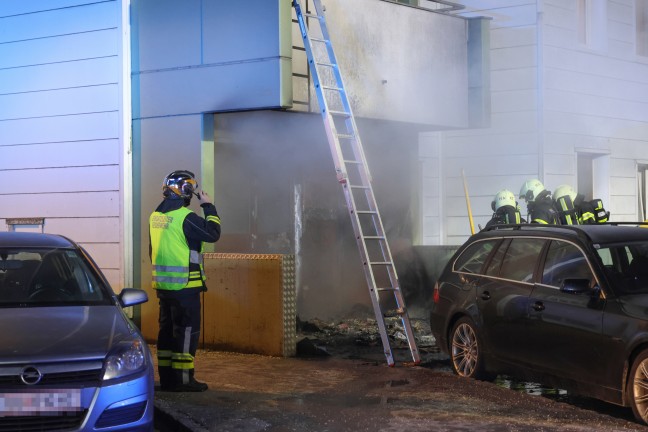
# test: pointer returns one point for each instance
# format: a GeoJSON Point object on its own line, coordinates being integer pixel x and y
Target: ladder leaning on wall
{"type": "Point", "coordinates": [353, 174]}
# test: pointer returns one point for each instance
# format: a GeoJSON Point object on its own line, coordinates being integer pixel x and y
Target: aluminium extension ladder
{"type": "Point", "coordinates": [353, 174]}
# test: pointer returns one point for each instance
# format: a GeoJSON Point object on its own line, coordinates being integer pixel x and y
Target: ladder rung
{"type": "Point", "coordinates": [340, 113]}
{"type": "Point", "coordinates": [332, 88]}
{"type": "Point", "coordinates": [380, 263]}
{"type": "Point", "coordinates": [311, 15]}
{"type": "Point", "coordinates": [346, 136]}
{"type": "Point", "coordinates": [386, 289]}
{"type": "Point", "coordinates": [314, 39]}
{"type": "Point", "coordinates": [331, 65]}
{"type": "Point", "coordinates": [365, 211]}
{"type": "Point", "coordinates": [394, 313]}
{"type": "Point", "coordinates": [353, 162]}
{"type": "Point", "coordinates": [374, 237]}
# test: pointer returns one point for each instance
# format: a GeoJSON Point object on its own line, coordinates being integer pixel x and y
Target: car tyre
{"type": "Point", "coordinates": [466, 351]}
{"type": "Point", "coordinates": [637, 388]}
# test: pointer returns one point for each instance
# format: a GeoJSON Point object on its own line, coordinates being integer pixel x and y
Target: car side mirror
{"type": "Point", "coordinates": [576, 286]}
{"type": "Point", "coordinates": [132, 297]}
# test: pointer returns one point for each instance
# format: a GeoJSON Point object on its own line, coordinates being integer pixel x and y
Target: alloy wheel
{"type": "Point", "coordinates": [640, 389]}
{"type": "Point", "coordinates": [465, 352]}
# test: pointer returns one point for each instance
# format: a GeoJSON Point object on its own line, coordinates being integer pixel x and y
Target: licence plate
{"type": "Point", "coordinates": [40, 402]}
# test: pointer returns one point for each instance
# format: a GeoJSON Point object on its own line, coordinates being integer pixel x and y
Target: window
{"type": "Point", "coordinates": [591, 27]}
{"type": "Point", "coordinates": [521, 259]}
{"type": "Point", "coordinates": [496, 262]}
{"type": "Point", "coordinates": [473, 258]}
{"type": "Point", "coordinates": [593, 174]}
{"type": "Point", "coordinates": [642, 191]}
{"type": "Point", "coordinates": [564, 261]}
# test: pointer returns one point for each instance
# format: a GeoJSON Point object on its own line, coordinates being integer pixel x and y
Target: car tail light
{"type": "Point", "coordinates": [435, 295]}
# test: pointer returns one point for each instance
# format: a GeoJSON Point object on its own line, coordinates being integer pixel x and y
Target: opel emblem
{"type": "Point", "coordinates": [30, 375]}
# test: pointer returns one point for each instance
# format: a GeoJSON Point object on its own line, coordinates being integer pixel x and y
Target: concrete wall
{"type": "Point", "coordinates": [558, 95]}
{"type": "Point", "coordinates": [61, 122]}
{"type": "Point", "coordinates": [400, 63]}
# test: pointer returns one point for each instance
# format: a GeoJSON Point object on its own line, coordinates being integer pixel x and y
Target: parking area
{"type": "Point", "coordinates": [359, 392]}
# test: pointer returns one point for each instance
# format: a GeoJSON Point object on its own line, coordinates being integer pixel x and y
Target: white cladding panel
{"type": "Point", "coordinates": [60, 155]}
{"type": "Point", "coordinates": [61, 120]}
{"type": "Point", "coordinates": [59, 129]}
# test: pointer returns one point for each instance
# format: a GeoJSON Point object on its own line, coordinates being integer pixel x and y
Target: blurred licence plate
{"type": "Point", "coordinates": [40, 402]}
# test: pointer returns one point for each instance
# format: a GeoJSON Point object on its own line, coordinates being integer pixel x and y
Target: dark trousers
{"type": "Point", "coordinates": [178, 336]}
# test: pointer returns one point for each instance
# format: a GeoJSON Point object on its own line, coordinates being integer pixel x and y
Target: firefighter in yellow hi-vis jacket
{"type": "Point", "coordinates": [177, 235]}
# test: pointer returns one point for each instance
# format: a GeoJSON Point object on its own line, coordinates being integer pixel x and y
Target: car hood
{"type": "Point", "coordinates": [61, 333]}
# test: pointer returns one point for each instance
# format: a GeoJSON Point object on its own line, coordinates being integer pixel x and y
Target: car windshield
{"type": "Point", "coordinates": [626, 266]}
{"type": "Point", "coordinates": [48, 277]}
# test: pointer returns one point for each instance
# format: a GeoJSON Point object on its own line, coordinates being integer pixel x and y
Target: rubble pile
{"type": "Point", "coordinates": [353, 336]}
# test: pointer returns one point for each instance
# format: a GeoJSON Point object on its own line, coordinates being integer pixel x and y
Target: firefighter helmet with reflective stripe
{"type": "Point", "coordinates": [180, 183]}
{"type": "Point", "coordinates": [503, 198]}
{"type": "Point", "coordinates": [531, 189]}
{"type": "Point", "coordinates": [565, 190]}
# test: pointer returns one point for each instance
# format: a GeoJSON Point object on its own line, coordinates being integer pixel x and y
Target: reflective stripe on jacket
{"type": "Point", "coordinates": [170, 253]}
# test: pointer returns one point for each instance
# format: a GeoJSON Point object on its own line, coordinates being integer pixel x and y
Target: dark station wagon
{"type": "Point", "coordinates": [566, 306]}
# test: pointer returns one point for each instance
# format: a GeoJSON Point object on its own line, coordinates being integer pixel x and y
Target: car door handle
{"type": "Point", "coordinates": [485, 295]}
{"type": "Point", "coordinates": [538, 306]}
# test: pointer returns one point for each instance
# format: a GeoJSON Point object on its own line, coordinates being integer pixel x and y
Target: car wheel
{"type": "Point", "coordinates": [466, 350]}
{"type": "Point", "coordinates": [638, 387]}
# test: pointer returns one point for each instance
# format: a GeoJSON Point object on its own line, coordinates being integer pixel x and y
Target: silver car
{"type": "Point", "coordinates": [70, 358]}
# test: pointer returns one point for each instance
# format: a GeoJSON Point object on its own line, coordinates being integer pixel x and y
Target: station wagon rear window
{"type": "Point", "coordinates": [473, 258]}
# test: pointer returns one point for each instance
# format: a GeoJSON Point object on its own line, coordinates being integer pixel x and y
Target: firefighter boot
{"type": "Point", "coordinates": [187, 382]}
{"type": "Point", "coordinates": [167, 378]}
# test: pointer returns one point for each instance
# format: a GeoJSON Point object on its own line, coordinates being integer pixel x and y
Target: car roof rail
{"type": "Point", "coordinates": [531, 226]}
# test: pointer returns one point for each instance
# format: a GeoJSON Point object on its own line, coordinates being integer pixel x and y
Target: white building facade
{"type": "Point", "coordinates": [569, 82]}
{"type": "Point", "coordinates": [99, 100]}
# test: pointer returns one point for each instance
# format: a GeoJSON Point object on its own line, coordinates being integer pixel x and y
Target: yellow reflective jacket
{"type": "Point", "coordinates": [170, 253]}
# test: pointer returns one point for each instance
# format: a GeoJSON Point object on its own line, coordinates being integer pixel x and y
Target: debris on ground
{"type": "Point", "coordinates": [350, 336]}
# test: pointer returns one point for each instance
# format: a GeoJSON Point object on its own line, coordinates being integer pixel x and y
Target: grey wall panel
{"type": "Point", "coordinates": [236, 86]}
{"type": "Point", "coordinates": [60, 75]}
{"type": "Point", "coordinates": [231, 36]}
{"type": "Point", "coordinates": [55, 22]}
{"type": "Point", "coordinates": [37, 52]}
{"type": "Point", "coordinates": [167, 33]}
{"type": "Point", "coordinates": [91, 99]}
{"type": "Point", "coordinates": [193, 56]}
{"type": "Point", "coordinates": [60, 129]}
{"type": "Point", "coordinates": [76, 153]}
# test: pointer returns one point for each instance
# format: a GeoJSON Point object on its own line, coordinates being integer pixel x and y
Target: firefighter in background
{"type": "Point", "coordinates": [506, 209]}
{"type": "Point", "coordinates": [177, 235]}
{"type": "Point", "coordinates": [566, 201]}
{"type": "Point", "coordinates": [539, 203]}
{"type": "Point", "coordinates": [573, 209]}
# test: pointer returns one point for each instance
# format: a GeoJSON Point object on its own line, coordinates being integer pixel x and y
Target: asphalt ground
{"type": "Point", "coordinates": [353, 389]}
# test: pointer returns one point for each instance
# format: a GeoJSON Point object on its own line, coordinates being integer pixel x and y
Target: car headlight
{"type": "Point", "coordinates": [125, 359]}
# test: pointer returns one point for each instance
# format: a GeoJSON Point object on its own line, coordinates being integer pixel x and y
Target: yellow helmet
{"type": "Point", "coordinates": [531, 189]}
{"type": "Point", "coordinates": [565, 190]}
{"type": "Point", "coordinates": [503, 198]}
